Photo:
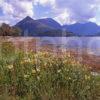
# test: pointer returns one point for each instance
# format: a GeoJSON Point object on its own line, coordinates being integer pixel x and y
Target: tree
{"type": "Point", "coordinates": [15, 31]}
{"type": "Point", "coordinates": [7, 30]}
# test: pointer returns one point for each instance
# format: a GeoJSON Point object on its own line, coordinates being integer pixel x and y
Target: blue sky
{"type": "Point", "coordinates": [63, 11]}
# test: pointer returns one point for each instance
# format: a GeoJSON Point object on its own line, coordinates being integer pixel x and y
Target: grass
{"type": "Point", "coordinates": [44, 76]}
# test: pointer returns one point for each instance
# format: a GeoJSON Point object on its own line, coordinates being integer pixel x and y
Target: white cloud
{"type": "Point", "coordinates": [63, 17]}
{"type": "Point", "coordinates": [7, 9]}
{"type": "Point", "coordinates": [1, 2]}
{"type": "Point", "coordinates": [64, 11]}
{"type": "Point", "coordinates": [96, 19]}
{"type": "Point", "coordinates": [71, 11]}
{"type": "Point", "coordinates": [4, 21]}
{"type": "Point", "coordinates": [78, 11]}
{"type": "Point", "coordinates": [45, 2]}
{"type": "Point", "coordinates": [22, 8]}
{"type": "Point", "coordinates": [16, 9]}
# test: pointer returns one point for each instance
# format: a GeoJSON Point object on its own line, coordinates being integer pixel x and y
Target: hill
{"type": "Point", "coordinates": [83, 29]}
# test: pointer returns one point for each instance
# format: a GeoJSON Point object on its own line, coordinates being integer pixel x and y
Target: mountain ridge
{"type": "Point", "coordinates": [86, 29]}
{"type": "Point", "coordinates": [50, 27]}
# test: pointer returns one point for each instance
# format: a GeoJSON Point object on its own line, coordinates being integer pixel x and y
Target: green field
{"type": "Point", "coordinates": [44, 76]}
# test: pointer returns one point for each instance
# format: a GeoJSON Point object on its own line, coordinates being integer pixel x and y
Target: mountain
{"type": "Point", "coordinates": [85, 29]}
{"type": "Point", "coordinates": [51, 23]}
{"type": "Point", "coordinates": [49, 27]}
{"type": "Point", "coordinates": [32, 27]}
{"type": "Point", "coordinates": [41, 27]}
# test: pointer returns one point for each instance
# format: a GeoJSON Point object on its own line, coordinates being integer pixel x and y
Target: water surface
{"type": "Point", "coordinates": [90, 44]}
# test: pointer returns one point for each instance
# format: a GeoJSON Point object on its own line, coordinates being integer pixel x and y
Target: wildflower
{"type": "Point", "coordinates": [87, 77]}
{"type": "Point", "coordinates": [10, 66]}
{"type": "Point", "coordinates": [95, 73]}
{"type": "Point", "coordinates": [59, 71]}
{"type": "Point", "coordinates": [69, 78]}
{"type": "Point", "coordinates": [33, 71]}
{"type": "Point", "coordinates": [38, 69]}
{"type": "Point", "coordinates": [27, 60]}
{"type": "Point", "coordinates": [22, 62]}
{"type": "Point", "coordinates": [45, 64]}
{"type": "Point", "coordinates": [38, 78]}
{"type": "Point", "coordinates": [26, 76]}
{"type": "Point", "coordinates": [67, 70]}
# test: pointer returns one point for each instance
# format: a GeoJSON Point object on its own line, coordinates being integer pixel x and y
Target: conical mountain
{"type": "Point", "coordinates": [41, 27]}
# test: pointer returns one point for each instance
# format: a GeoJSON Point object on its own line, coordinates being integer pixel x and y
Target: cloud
{"type": "Point", "coordinates": [63, 17]}
{"type": "Point", "coordinates": [4, 19]}
{"type": "Point", "coordinates": [22, 8]}
{"type": "Point", "coordinates": [71, 11]}
{"type": "Point", "coordinates": [79, 11]}
{"type": "Point", "coordinates": [64, 11]}
{"type": "Point", "coordinates": [45, 2]}
{"type": "Point", "coordinates": [1, 2]}
{"type": "Point", "coordinates": [7, 8]}
{"type": "Point", "coordinates": [17, 9]}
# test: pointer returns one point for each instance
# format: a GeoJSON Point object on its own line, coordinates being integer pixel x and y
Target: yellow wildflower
{"type": "Point", "coordinates": [87, 77]}
{"type": "Point", "coordinates": [38, 69]}
{"type": "Point", "coordinates": [38, 78]}
{"type": "Point", "coordinates": [59, 71]}
{"type": "Point", "coordinates": [10, 66]}
{"type": "Point", "coordinates": [69, 78]}
{"type": "Point", "coordinates": [45, 64]}
{"type": "Point", "coordinates": [26, 76]}
{"type": "Point", "coordinates": [22, 62]}
{"type": "Point", "coordinates": [33, 71]}
{"type": "Point", "coordinates": [27, 60]}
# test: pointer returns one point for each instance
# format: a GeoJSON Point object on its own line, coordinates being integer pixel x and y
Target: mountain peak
{"type": "Point", "coordinates": [25, 20]}
{"type": "Point", "coordinates": [28, 18]}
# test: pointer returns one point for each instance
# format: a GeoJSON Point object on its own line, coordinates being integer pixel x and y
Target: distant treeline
{"type": "Point", "coordinates": [7, 30]}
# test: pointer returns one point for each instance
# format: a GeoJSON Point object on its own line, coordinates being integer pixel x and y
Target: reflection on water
{"type": "Point", "coordinates": [91, 44]}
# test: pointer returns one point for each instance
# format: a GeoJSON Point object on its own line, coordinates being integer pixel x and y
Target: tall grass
{"type": "Point", "coordinates": [44, 76]}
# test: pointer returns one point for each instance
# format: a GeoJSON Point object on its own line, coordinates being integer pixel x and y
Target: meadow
{"type": "Point", "coordinates": [44, 76]}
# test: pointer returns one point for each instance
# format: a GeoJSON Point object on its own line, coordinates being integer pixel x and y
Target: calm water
{"type": "Point", "coordinates": [91, 44]}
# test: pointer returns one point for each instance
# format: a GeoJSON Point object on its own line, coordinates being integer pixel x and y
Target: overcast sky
{"type": "Point", "coordinates": [63, 11]}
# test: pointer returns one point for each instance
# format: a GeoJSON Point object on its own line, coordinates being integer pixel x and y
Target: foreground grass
{"type": "Point", "coordinates": [44, 76]}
